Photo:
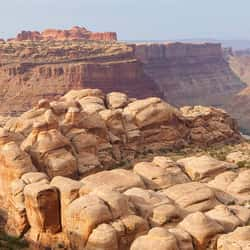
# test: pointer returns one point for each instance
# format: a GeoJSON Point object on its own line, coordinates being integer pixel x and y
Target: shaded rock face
{"type": "Point", "coordinates": [75, 33]}
{"type": "Point", "coordinates": [33, 70]}
{"type": "Point", "coordinates": [239, 105]}
{"type": "Point", "coordinates": [190, 74]}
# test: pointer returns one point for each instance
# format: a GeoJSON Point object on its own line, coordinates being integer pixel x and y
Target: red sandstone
{"type": "Point", "coordinates": [75, 33]}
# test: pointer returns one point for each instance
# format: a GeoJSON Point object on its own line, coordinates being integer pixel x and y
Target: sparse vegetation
{"type": "Point", "coordinates": [243, 164]}
{"type": "Point", "coordinates": [217, 151]}
{"type": "Point", "coordinates": [11, 243]}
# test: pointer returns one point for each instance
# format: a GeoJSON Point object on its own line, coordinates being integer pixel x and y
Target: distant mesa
{"type": "Point", "coordinates": [75, 33]}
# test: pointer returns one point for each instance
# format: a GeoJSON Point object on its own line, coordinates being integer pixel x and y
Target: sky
{"type": "Point", "coordinates": [132, 19]}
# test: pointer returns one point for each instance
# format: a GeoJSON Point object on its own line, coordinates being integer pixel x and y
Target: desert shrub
{"type": "Point", "coordinates": [243, 164]}
{"type": "Point", "coordinates": [11, 243]}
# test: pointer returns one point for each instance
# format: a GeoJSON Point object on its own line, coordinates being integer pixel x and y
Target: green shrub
{"type": "Point", "coordinates": [11, 243]}
{"type": "Point", "coordinates": [243, 164]}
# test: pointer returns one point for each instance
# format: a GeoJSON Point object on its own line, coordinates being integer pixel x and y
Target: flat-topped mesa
{"type": "Point", "coordinates": [31, 70]}
{"type": "Point", "coordinates": [147, 52]}
{"type": "Point", "coordinates": [28, 35]}
{"type": "Point", "coordinates": [75, 33]}
{"type": "Point", "coordinates": [190, 73]}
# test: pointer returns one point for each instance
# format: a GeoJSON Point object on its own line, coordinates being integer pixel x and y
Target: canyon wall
{"type": "Point", "coordinates": [239, 106]}
{"type": "Point", "coordinates": [190, 73]}
{"type": "Point", "coordinates": [183, 74]}
{"type": "Point", "coordinates": [33, 70]}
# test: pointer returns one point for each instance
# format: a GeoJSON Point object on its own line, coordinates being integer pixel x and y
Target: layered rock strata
{"type": "Point", "coordinates": [190, 74]}
{"type": "Point", "coordinates": [31, 70]}
{"type": "Point", "coordinates": [75, 33]}
{"type": "Point", "coordinates": [239, 104]}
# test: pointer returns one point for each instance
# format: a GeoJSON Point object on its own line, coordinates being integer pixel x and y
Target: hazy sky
{"type": "Point", "coordinates": [132, 19]}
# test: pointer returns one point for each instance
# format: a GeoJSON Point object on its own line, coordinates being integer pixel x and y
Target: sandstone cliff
{"type": "Point", "coordinates": [190, 73]}
{"type": "Point", "coordinates": [239, 105]}
{"type": "Point", "coordinates": [75, 33]}
{"type": "Point", "coordinates": [184, 74]}
{"type": "Point", "coordinates": [240, 65]}
{"type": "Point", "coordinates": [63, 188]}
{"type": "Point", "coordinates": [31, 70]}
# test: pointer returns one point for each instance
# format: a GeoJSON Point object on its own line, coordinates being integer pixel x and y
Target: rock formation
{"type": "Point", "coordinates": [48, 64]}
{"type": "Point", "coordinates": [33, 70]}
{"type": "Point", "coordinates": [75, 33]}
{"type": "Point", "coordinates": [63, 188]}
{"type": "Point", "coordinates": [238, 106]}
{"type": "Point", "coordinates": [190, 74]}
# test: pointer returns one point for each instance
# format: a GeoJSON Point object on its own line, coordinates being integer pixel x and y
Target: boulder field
{"type": "Point", "coordinates": [63, 184]}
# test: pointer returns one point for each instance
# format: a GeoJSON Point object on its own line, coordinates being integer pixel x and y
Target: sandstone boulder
{"type": "Point", "coordinates": [69, 191]}
{"type": "Point", "coordinates": [192, 196]}
{"type": "Point", "coordinates": [117, 202]}
{"type": "Point", "coordinates": [76, 95]}
{"type": "Point", "coordinates": [83, 216]}
{"type": "Point", "coordinates": [239, 239]}
{"type": "Point", "coordinates": [38, 116]}
{"type": "Point", "coordinates": [204, 166]}
{"type": "Point", "coordinates": [42, 207]}
{"type": "Point", "coordinates": [14, 163]}
{"type": "Point", "coordinates": [237, 157]}
{"type": "Point", "coordinates": [225, 217]}
{"type": "Point", "coordinates": [243, 213]}
{"type": "Point", "coordinates": [116, 100]}
{"type": "Point", "coordinates": [209, 125]}
{"type": "Point", "coordinates": [115, 122]}
{"type": "Point", "coordinates": [201, 228]}
{"type": "Point", "coordinates": [161, 173]}
{"type": "Point", "coordinates": [157, 208]}
{"type": "Point", "coordinates": [184, 239]}
{"type": "Point", "coordinates": [92, 104]}
{"type": "Point", "coordinates": [240, 187]}
{"type": "Point", "coordinates": [103, 237]}
{"type": "Point", "coordinates": [117, 179]}
{"type": "Point", "coordinates": [129, 228]}
{"type": "Point", "coordinates": [17, 223]}
{"type": "Point", "coordinates": [220, 184]}
{"type": "Point", "coordinates": [150, 111]}
{"type": "Point", "coordinates": [51, 152]}
{"type": "Point", "coordinates": [33, 177]}
{"type": "Point", "coordinates": [157, 238]}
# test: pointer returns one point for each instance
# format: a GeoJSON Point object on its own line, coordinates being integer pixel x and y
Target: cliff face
{"type": "Point", "coordinates": [239, 106]}
{"type": "Point", "coordinates": [30, 71]}
{"type": "Point", "coordinates": [189, 73]}
{"type": "Point", "coordinates": [240, 65]}
{"type": "Point", "coordinates": [75, 33]}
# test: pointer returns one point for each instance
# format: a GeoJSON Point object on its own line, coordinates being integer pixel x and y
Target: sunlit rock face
{"type": "Point", "coordinates": [65, 183]}
{"type": "Point", "coordinates": [48, 68]}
